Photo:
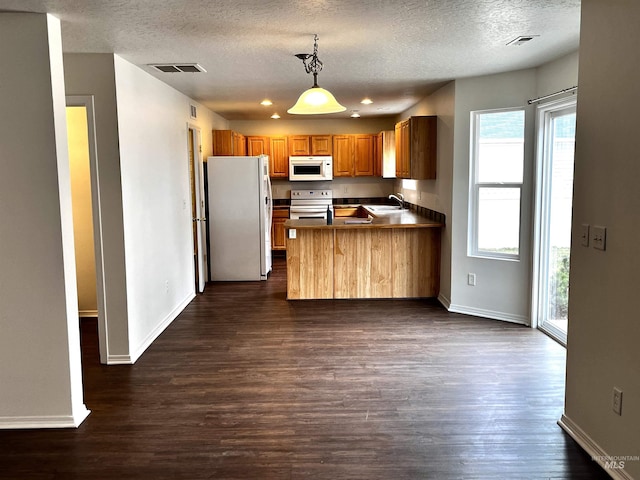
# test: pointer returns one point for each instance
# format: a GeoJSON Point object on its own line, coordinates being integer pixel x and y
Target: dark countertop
{"type": "Point", "coordinates": [394, 219]}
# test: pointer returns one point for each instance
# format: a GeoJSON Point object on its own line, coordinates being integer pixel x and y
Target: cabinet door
{"type": "Point", "coordinates": [423, 147]}
{"type": "Point", "coordinates": [403, 165]}
{"type": "Point", "coordinates": [279, 165]}
{"type": "Point", "coordinates": [299, 145]}
{"type": "Point", "coordinates": [278, 241]}
{"type": "Point", "coordinates": [321, 145]}
{"type": "Point", "coordinates": [258, 146]}
{"type": "Point", "coordinates": [239, 144]}
{"type": "Point", "coordinates": [363, 155]}
{"type": "Point", "coordinates": [377, 155]}
{"type": "Point", "coordinates": [222, 142]}
{"type": "Point", "coordinates": [343, 155]}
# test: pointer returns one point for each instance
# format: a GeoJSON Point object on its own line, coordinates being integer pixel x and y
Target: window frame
{"type": "Point", "coordinates": [475, 186]}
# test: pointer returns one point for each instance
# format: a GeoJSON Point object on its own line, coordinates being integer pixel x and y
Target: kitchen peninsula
{"type": "Point", "coordinates": [391, 254]}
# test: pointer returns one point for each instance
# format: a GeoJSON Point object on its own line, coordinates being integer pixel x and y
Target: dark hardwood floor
{"type": "Point", "coordinates": [245, 385]}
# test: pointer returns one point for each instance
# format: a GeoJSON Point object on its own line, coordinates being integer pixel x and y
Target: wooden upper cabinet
{"type": "Point", "coordinates": [228, 142]}
{"type": "Point", "coordinates": [363, 155]}
{"type": "Point", "coordinates": [416, 148]}
{"type": "Point", "coordinates": [343, 155]}
{"type": "Point", "coordinates": [279, 157]}
{"type": "Point", "coordinates": [353, 155]}
{"type": "Point", "coordinates": [258, 145]}
{"type": "Point", "coordinates": [299, 145]}
{"type": "Point", "coordinates": [321, 145]}
{"type": "Point", "coordinates": [378, 153]}
{"type": "Point", "coordinates": [304, 145]}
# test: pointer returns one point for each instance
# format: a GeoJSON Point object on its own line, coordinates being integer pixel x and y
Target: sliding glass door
{"type": "Point", "coordinates": [556, 144]}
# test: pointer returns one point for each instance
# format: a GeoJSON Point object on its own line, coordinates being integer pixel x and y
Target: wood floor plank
{"type": "Point", "coordinates": [246, 385]}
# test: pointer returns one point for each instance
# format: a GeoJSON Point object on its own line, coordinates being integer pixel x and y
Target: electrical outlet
{"type": "Point", "coordinates": [345, 189]}
{"type": "Point", "coordinates": [617, 400]}
{"type": "Point", "coordinates": [599, 237]}
{"type": "Point", "coordinates": [166, 286]}
{"type": "Point", "coordinates": [584, 235]}
{"type": "Point", "coordinates": [471, 279]}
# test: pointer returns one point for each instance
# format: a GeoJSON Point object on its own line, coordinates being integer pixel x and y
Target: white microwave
{"type": "Point", "coordinates": [310, 168]}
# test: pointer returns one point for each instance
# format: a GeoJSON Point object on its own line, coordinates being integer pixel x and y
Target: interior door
{"type": "Point", "coordinates": [197, 207]}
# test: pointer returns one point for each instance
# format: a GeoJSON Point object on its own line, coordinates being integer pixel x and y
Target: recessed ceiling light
{"type": "Point", "coordinates": [355, 115]}
{"type": "Point", "coordinates": [266, 102]}
{"type": "Point", "coordinates": [275, 116]}
{"type": "Point", "coordinates": [366, 101]}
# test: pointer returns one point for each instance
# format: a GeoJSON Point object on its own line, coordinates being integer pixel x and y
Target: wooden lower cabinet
{"type": "Point", "coordinates": [310, 264]}
{"type": "Point", "coordinates": [363, 263]}
{"type": "Point", "coordinates": [280, 215]}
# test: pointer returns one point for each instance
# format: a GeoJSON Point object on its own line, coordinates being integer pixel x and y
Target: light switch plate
{"type": "Point", "coordinates": [599, 237]}
{"type": "Point", "coordinates": [292, 233]}
{"type": "Point", "coordinates": [584, 235]}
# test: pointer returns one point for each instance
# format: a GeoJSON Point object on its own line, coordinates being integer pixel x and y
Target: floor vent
{"type": "Point", "coordinates": [178, 67]}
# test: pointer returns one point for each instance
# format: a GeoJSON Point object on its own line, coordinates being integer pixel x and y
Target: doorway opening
{"type": "Point", "coordinates": [87, 217]}
{"type": "Point", "coordinates": [554, 196]}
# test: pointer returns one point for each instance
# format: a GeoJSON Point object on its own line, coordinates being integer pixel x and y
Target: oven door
{"type": "Point", "coordinates": [298, 212]}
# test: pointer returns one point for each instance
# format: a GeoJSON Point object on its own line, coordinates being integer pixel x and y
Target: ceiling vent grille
{"type": "Point", "coordinates": [522, 39]}
{"type": "Point", "coordinates": [178, 67]}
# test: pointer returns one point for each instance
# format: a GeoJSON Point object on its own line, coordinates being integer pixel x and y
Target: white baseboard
{"type": "Point", "coordinates": [88, 313]}
{"type": "Point", "coordinates": [446, 303]}
{"type": "Point", "coordinates": [53, 421]}
{"type": "Point", "coordinates": [492, 314]}
{"type": "Point", "coordinates": [119, 360]}
{"type": "Point", "coordinates": [161, 327]}
{"type": "Point", "coordinates": [592, 448]}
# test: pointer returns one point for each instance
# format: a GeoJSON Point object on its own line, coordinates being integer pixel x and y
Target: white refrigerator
{"type": "Point", "coordinates": [240, 211]}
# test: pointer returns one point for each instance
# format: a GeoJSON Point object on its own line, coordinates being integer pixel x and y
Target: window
{"type": "Point", "coordinates": [497, 169]}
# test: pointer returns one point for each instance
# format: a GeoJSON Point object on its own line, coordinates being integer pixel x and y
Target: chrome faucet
{"type": "Point", "coordinates": [399, 198]}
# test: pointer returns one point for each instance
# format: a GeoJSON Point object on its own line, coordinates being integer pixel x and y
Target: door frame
{"type": "Point", "coordinates": [540, 204]}
{"type": "Point", "coordinates": [195, 133]}
{"type": "Point", "coordinates": [87, 101]}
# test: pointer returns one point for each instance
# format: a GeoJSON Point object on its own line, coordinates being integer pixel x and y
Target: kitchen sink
{"type": "Point", "coordinates": [384, 208]}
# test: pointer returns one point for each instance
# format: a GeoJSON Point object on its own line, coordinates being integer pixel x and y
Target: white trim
{"type": "Point", "coordinates": [88, 313]}
{"type": "Point", "coordinates": [87, 101]}
{"type": "Point", "coordinates": [446, 303]}
{"type": "Point", "coordinates": [539, 206]}
{"type": "Point", "coordinates": [53, 421]}
{"type": "Point", "coordinates": [492, 314]}
{"type": "Point", "coordinates": [591, 447]}
{"type": "Point", "coordinates": [119, 360]}
{"type": "Point", "coordinates": [161, 328]}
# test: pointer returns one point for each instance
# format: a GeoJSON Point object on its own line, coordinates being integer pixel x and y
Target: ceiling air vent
{"type": "Point", "coordinates": [522, 39]}
{"type": "Point", "coordinates": [178, 67]}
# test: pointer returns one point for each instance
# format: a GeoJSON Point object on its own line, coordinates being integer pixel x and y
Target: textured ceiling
{"type": "Point", "coordinates": [394, 52]}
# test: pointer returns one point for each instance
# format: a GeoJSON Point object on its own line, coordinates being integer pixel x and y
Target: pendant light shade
{"type": "Point", "coordinates": [316, 100]}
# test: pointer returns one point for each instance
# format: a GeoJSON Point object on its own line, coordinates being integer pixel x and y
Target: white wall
{"type": "Point", "coordinates": [437, 194]}
{"type": "Point", "coordinates": [93, 74]}
{"type": "Point", "coordinates": [602, 350]}
{"type": "Point", "coordinates": [156, 200]}
{"type": "Point", "coordinates": [503, 287]}
{"type": "Point", "coordinates": [141, 130]}
{"type": "Point", "coordinates": [40, 369]}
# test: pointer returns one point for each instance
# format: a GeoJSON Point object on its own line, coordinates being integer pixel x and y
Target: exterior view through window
{"type": "Point", "coordinates": [497, 168]}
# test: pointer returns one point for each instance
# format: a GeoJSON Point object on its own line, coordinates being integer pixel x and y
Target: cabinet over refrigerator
{"type": "Point", "coordinates": [240, 211]}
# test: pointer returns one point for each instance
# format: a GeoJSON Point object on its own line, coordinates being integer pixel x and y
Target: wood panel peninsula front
{"type": "Point", "coordinates": [396, 255]}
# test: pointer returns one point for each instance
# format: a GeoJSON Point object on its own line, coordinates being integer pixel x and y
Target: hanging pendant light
{"type": "Point", "coordinates": [316, 100]}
